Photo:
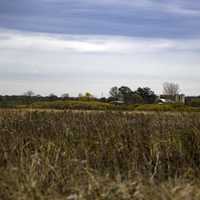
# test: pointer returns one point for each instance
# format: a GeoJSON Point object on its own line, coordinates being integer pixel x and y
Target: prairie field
{"type": "Point", "coordinates": [68, 155]}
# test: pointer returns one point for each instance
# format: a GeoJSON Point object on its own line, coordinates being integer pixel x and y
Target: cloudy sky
{"type": "Point", "coordinates": [59, 46]}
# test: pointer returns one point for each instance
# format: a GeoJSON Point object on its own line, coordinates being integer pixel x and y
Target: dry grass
{"type": "Point", "coordinates": [99, 155]}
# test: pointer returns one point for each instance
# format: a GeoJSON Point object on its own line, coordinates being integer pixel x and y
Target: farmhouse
{"type": "Point", "coordinates": [179, 98]}
{"type": "Point", "coordinates": [118, 102]}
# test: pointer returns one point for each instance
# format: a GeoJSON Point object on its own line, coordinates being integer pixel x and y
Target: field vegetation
{"type": "Point", "coordinates": [99, 155]}
{"type": "Point", "coordinates": [103, 106]}
{"type": "Point", "coordinates": [95, 105]}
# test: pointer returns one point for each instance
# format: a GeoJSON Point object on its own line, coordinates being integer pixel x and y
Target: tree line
{"type": "Point", "coordinates": [123, 94]}
{"type": "Point", "coordinates": [142, 94]}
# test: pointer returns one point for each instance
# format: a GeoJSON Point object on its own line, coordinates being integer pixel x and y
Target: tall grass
{"type": "Point", "coordinates": [99, 155]}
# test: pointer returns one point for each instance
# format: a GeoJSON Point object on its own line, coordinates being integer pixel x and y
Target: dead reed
{"type": "Point", "coordinates": [99, 155]}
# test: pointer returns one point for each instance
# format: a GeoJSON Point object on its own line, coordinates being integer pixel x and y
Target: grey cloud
{"type": "Point", "coordinates": [133, 18]}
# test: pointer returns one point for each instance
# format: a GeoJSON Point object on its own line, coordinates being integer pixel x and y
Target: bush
{"type": "Point", "coordinates": [195, 102]}
{"type": "Point", "coordinates": [75, 105]}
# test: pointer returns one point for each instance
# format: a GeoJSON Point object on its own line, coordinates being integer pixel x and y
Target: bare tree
{"type": "Point", "coordinates": [171, 89]}
{"type": "Point", "coordinates": [29, 93]}
{"type": "Point", "coordinates": [52, 97]}
{"type": "Point", "coordinates": [65, 95]}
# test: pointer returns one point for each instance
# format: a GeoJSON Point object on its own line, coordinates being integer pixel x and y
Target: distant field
{"type": "Point", "coordinates": [98, 106]}
{"type": "Point", "coordinates": [69, 155]}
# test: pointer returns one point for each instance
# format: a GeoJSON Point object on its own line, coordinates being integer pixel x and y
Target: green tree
{"type": "Point", "coordinates": [147, 94]}
{"type": "Point", "coordinates": [114, 93]}
{"type": "Point", "coordinates": [86, 97]}
{"type": "Point", "coordinates": [126, 94]}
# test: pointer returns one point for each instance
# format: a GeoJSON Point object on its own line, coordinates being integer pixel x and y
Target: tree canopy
{"type": "Point", "coordinates": [141, 95]}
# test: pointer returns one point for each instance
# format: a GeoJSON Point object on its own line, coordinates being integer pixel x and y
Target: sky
{"type": "Point", "coordinates": [77, 46]}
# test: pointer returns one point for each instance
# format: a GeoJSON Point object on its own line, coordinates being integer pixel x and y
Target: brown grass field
{"type": "Point", "coordinates": [71, 155]}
